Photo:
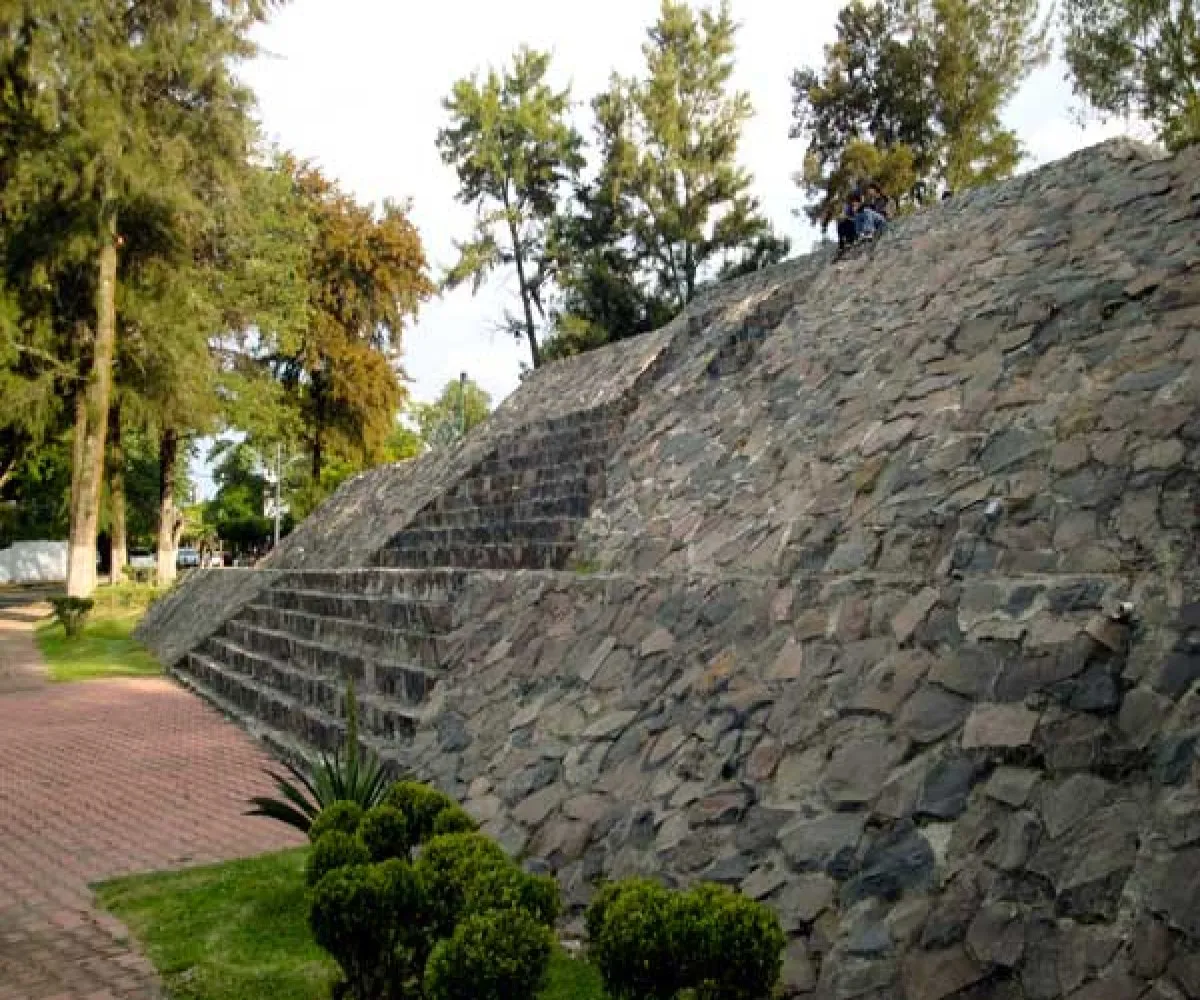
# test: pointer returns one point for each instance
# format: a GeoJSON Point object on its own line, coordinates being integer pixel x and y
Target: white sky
{"type": "Point", "coordinates": [357, 85]}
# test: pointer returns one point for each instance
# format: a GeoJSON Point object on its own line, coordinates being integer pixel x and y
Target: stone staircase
{"type": "Point", "coordinates": [281, 663]}
{"type": "Point", "coordinates": [522, 506]}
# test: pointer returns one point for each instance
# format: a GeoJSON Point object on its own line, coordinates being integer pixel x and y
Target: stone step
{"type": "Point", "coordinates": [503, 513]}
{"type": "Point", "coordinates": [578, 418]}
{"type": "Point", "coordinates": [529, 555]}
{"type": "Point", "coordinates": [405, 614]}
{"type": "Point", "coordinates": [594, 451]}
{"type": "Point", "coordinates": [381, 718]}
{"type": "Point", "coordinates": [376, 641]}
{"type": "Point", "coordinates": [535, 485]}
{"type": "Point", "coordinates": [266, 651]}
{"type": "Point", "coordinates": [539, 530]}
{"type": "Point", "coordinates": [432, 585]}
{"type": "Point", "coordinates": [600, 431]}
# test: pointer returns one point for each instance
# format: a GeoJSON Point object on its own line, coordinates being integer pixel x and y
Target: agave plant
{"type": "Point", "coordinates": [336, 777]}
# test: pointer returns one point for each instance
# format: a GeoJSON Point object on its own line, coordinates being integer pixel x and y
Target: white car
{"type": "Point", "coordinates": [141, 559]}
{"type": "Point", "coordinates": [187, 557]}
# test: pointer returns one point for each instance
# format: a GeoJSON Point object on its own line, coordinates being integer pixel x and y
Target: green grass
{"type": "Point", "coordinates": [106, 648]}
{"type": "Point", "coordinates": [238, 930]}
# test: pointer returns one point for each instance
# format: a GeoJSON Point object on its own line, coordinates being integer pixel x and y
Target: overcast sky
{"type": "Point", "coordinates": [357, 85]}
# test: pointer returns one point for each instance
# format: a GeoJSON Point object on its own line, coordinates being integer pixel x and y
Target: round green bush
{"type": "Point", "coordinates": [453, 819]}
{"type": "Point", "coordinates": [501, 955]}
{"type": "Point", "coordinates": [342, 815]}
{"type": "Point", "coordinates": [730, 947]}
{"type": "Point", "coordinates": [632, 940]}
{"type": "Point", "coordinates": [368, 918]}
{"type": "Point", "coordinates": [509, 888]}
{"type": "Point", "coordinates": [334, 850]}
{"type": "Point", "coordinates": [384, 832]}
{"type": "Point", "coordinates": [421, 805]}
{"type": "Point", "coordinates": [449, 866]}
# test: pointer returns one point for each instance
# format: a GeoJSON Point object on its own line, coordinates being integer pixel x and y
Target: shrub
{"type": "Point", "coordinates": [493, 956]}
{"type": "Point", "coordinates": [351, 777]}
{"type": "Point", "coordinates": [449, 866]}
{"type": "Point", "coordinates": [363, 916]}
{"type": "Point", "coordinates": [334, 849]}
{"type": "Point", "coordinates": [649, 942]}
{"type": "Point", "coordinates": [731, 946]}
{"type": "Point", "coordinates": [427, 811]}
{"type": "Point", "coordinates": [631, 941]}
{"type": "Point", "coordinates": [343, 815]}
{"type": "Point", "coordinates": [509, 888]}
{"type": "Point", "coordinates": [384, 833]}
{"type": "Point", "coordinates": [73, 612]}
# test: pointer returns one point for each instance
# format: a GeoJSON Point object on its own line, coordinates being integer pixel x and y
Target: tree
{"type": "Point", "coordinates": [1138, 57]}
{"type": "Point", "coordinates": [513, 150]}
{"type": "Point", "coordinates": [112, 106]}
{"type": "Point", "coordinates": [237, 512]}
{"type": "Point", "coordinates": [924, 82]}
{"type": "Point", "coordinates": [689, 200]}
{"type": "Point", "coordinates": [462, 406]}
{"type": "Point", "coordinates": [365, 277]}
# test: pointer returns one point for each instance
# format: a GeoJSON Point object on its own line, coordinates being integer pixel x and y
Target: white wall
{"type": "Point", "coordinates": [34, 562]}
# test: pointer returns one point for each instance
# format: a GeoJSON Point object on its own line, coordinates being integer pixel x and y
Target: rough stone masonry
{"type": "Point", "coordinates": [869, 588]}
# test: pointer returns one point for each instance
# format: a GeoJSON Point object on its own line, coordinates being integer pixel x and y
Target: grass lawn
{"type": "Point", "coordinates": [238, 930]}
{"type": "Point", "coordinates": [106, 648]}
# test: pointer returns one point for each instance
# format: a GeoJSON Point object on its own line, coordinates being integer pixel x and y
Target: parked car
{"type": "Point", "coordinates": [187, 557]}
{"type": "Point", "coordinates": [142, 559]}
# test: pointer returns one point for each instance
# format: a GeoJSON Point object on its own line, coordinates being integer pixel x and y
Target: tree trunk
{"type": "Point", "coordinates": [168, 524]}
{"type": "Point", "coordinates": [530, 330]}
{"type": "Point", "coordinates": [85, 506]}
{"type": "Point", "coordinates": [116, 495]}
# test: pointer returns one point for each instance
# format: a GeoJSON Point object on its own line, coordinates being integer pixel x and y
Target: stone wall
{"type": "Point", "coordinates": [885, 609]}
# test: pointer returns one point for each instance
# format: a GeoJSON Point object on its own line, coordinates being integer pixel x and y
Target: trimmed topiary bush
{"type": "Point", "coordinates": [427, 811]}
{"type": "Point", "coordinates": [384, 833]}
{"type": "Point", "coordinates": [334, 850]}
{"type": "Point", "coordinates": [732, 945]}
{"type": "Point", "coordinates": [73, 612]}
{"type": "Point", "coordinates": [365, 917]}
{"type": "Point", "coordinates": [632, 941]}
{"type": "Point", "coordinates": [454, 819]}
{"type": "Point", "coordinates": [502, 955]}
{"type": "Point", "coordinates": [509, 888]}
{"type": "Point", "coordinates": [449, 866]}
{"type": "Point", "coordinates": [343, 816]}
{"type": "Point", "coordinates": [649, 942]}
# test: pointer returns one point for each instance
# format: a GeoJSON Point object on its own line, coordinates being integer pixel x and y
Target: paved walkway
{"type": "Point", "coordinates": [100, 779]}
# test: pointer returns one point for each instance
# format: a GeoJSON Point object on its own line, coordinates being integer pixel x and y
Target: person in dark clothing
{"type": "Point", "coordinates": [877, 201]}
{"type": "Point", "coordinates": [847, 226]}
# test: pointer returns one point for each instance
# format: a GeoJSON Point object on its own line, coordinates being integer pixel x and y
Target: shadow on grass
{"type": "Point", "coordinates": [106, 648]}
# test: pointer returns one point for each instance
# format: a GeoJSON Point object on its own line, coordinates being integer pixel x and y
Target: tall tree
{"type": "Point", "coordinates": [117, 519]}
{"type": "Point", "coordinates": [690, 200]}
{"type": "Point", "coordinates": [1138, 57]}
{"type": "Point", "coordinates": [112, 106]}
{"type": "Point", "coordinates": [925, 83]}
{"type": "Point", "coordinates": [513, 148]}
{"type": "Point", "coordinates": [365, 277]}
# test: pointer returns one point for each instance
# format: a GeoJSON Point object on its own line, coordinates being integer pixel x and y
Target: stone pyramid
{"type": "Point", "coordinates": [868, 587]}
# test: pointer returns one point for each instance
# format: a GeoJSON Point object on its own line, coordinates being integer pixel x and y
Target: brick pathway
{"type": "Point", "coordinates": [100, 779]}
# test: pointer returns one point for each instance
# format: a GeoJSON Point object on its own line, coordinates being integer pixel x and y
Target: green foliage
{"type": "Point", "coordinates": [493, 956]}
{"type": "Point", "coordinates": [343, 816]}
{"type": "Point", "coordinates": [509, 888]}
{"type": "Point", "coordinates": [1138, 57]}
{"type": "Point", "coordinates": [334, 778]}
{"type": "Point", "coordinates": [923, 81]}
{"type": "Point", "coordinates": [332, 850]}
{"type": "Point", "coordinates": [105, 649]}
{"type": "Point", "coordinates": [384, 833]}
{"type": "Point", "coordinates": [462, 406]}
{"type": "Point", "coordinates": [450, 865]}
{"type": "Point", "coordinates": [362, 915]}
{"type": "Point", "coordinates": [650, 942]}
{"type": "Point", "coordinates": [423, 806]}
{"type": "Point", "coordinates": [513, 148]}
{"type": "Point", "coordinates": [72, 613]}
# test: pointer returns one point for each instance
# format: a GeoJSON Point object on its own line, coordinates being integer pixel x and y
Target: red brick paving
{"type": "Point", "coordinates": [100, 779]}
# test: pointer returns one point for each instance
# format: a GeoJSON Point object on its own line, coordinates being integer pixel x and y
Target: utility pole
{"type": "Point", "coordinates": [278, 481]}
